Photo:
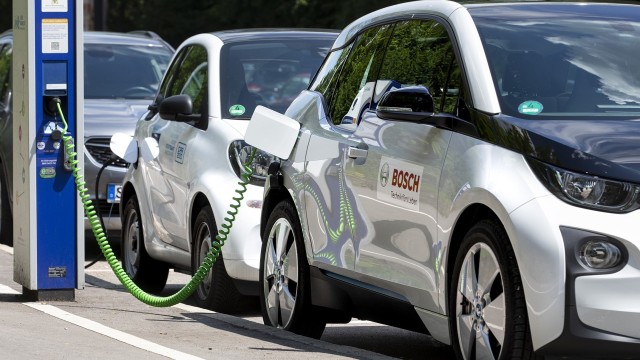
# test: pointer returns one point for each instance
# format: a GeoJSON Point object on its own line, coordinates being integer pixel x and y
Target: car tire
{"type": "Point", "coordinates": [6, 217]}
{"type": "Point", "coordinates": [488, 310]}
{"type": "Point", "coordinates": [217, 291]}
{"type": "Point", "coordinates": [148, 273]}
{"type": "Point", "coordinates": [285, 287]}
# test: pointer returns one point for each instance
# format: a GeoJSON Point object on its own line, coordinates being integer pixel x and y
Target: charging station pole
{"type": "Point", "coordinates": [48, 221]}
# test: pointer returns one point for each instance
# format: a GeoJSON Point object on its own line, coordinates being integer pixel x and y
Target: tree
{"type": "Point", "coordinates": [177, 20]}
{"type": "Point", "coordinates": [6, 20]}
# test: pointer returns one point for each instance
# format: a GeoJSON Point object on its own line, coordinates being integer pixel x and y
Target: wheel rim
{"type": "Point", "coordinates": [132, 244]}
{"type": "Point", "coordinates": [203, 238]}
{"type": "Point", "coordinates": [280, 275]}
{"type": "Point", "coordinates": [480, 305]}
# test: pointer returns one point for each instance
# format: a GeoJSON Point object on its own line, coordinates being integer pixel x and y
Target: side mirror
{"type": "Point", "coordinates": [176, 107]}
{"type": "Point", "coordinates": [413, 103]}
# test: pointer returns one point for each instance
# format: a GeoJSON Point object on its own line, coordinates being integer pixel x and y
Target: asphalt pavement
{"type": "Point", "coordinates": [106, 322]}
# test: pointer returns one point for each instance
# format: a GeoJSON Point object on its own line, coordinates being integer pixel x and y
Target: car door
{"type": "Point", "coordinates": [169, 173]}
{"type": "Point", "coordinates": [394, 168]}
{"type": "Point", "coordinates": [334, 223]}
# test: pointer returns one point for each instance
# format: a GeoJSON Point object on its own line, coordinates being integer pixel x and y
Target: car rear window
{"type": "Point", "coordinates": [563, 61]}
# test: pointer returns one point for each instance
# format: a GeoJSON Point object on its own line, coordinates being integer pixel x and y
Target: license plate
{"type": "Point", "coordinates": [114, 191]}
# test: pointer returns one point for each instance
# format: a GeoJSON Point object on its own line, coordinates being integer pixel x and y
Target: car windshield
{"type": "Point", "coordinates": [563, 61]}
{"type": "Point", "coordinates": [268, 73]}
{"type": "Point", "coordinates": [123, 71]}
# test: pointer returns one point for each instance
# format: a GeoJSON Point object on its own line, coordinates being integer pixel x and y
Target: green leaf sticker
{"type": "Point", "coordinates": [236, 110]}
{"type": "Point", "coordinates": [530, 107]}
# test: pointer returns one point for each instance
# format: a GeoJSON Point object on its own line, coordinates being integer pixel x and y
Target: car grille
{"type": "Point", "coordinates": [101, 152]}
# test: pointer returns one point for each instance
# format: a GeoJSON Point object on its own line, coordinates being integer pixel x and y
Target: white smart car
{"type": "Point", "coordinates": [174, 202]}
{"type": "Point", "coordinates": [492, 199]}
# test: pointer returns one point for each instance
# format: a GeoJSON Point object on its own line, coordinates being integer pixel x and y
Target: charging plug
{"type": "Point", "coordinates": [51, 105]}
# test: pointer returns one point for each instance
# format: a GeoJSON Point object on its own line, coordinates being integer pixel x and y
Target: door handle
{"type": "Point", "coordinates": [357, 153]}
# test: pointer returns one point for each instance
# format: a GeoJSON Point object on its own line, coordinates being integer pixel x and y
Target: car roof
{"type": "Point", "coordinates": [132, 38]}
{"type": "Point", "coordinates": [442, 8]}
{"type": "Point", "coordinates": [242, 35]}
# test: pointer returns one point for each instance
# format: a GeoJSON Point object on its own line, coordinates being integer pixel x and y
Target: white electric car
{"type": "Point", "coordinates": [490, 200]}
{"type": "Point", "coordinates": [175, 201]}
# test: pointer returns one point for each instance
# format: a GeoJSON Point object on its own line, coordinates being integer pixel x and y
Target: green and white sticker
{"type": "Point", "coordinates": [530, 108]}
{"type": "Point", "coordinates": [236, 110]}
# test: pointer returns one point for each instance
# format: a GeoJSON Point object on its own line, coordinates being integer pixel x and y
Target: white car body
{"type": "Point", "coordinates": [387, 206]}
{"type": "Point", "coordinates": [194, 167]}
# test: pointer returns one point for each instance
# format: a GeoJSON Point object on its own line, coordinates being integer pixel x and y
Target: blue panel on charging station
{"type": "Point", "coordinates": [55, 187]}
{"type": "Point", "coordinates": [54, 78]}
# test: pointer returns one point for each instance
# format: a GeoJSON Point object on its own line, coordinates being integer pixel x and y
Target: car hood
{"type": "Point", "coordinates": [606, 148]}
{"type": "Point", "coordinates": [104, 117]}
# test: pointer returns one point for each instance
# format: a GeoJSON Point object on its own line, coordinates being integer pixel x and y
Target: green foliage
{"type": "Point", "coordinates": [6, 16]}
{"type": "Point", "coordinates": [177, 20]}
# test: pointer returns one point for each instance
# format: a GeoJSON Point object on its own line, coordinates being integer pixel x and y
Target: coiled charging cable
{"type": "Point", "coordinates": [99, 233]}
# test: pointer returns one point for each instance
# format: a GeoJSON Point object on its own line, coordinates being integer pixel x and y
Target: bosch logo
{"type": "Point", "coordinates": [384, 175]}
{"type": "Point", "coordinates": [405, 180]}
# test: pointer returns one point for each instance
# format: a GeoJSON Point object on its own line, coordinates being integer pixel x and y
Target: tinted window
{"type": "Point", "coordinates": [328, 75]}
{"type": "Point", "coordinates": [563, 61]}
{"type": "Point", "coordinates": [353, 92]}
{"type": "Point", "coordinates": [421, 53]}
{"type": "Point", "coordinates": [123, 71]}
{"type": "Point", "coordinates": [269, 73]}
{"type": "Point", "coordinates": [191, 78]}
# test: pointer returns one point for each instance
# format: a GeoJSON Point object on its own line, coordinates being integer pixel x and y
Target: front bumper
{"type": "Point", "coordinates": [602, 310]}
{"type": "Point", "coordinates": [574, 310]}
{"type": "Point", "coordinates": [241, 251]}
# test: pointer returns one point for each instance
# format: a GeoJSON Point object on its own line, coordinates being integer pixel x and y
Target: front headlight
{"type": "Point", "coordinates": [239, 152]}
{"type": "Point", "coordinates": [588, 191]}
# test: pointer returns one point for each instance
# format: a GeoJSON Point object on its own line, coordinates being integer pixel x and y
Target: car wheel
{"type": "Point", "coordinates": [217, 291]}
{"type": "Point", "coordinates": [285, 291]}
{"type": "Point", "coordinates": [6, 218]}
{"type": "Point", "coordinates": [148, 273]}
{"type": "Point", "coordinates": [489, 314]}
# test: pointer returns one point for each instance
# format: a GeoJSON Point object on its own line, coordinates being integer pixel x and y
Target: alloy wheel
{"type": "Point", "coordinates": [203, 238]}
{"type": "Point", "coordinates": [281, 273]}
{"type": "Point", "coordinates": [480, 304]}
{"type": "Point", "coordinates": [132, 244]}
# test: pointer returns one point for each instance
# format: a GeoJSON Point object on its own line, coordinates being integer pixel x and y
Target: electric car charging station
{"type": "Point", "coordinates": [431, 208]}
{"type": "Point", "coordinates": [47, 72]}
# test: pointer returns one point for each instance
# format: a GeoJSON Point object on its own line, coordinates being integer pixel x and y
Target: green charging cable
{"type": "Point", "coordinates": [100, 236]}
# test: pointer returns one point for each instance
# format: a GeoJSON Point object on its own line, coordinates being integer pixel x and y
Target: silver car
{"type": "Point", "coordinates": [468, 171]}
{"type": "Point", "coordinates": [122, 72]}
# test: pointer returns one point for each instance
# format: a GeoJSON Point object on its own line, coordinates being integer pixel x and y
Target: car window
{"type": "Point", "coordinates": [191, 78]}
{"type": "Point", "coordinates": [269, 73]}
{"type": "Point", "coordinates": [109, 68]}
{"type": "Point", "coordinates": [574, 66]}
{"type": "Point", "coordinates": [353, 91]}
{"type": "Point", "coordinates": [170, 75]}
{"type": "Point", "coordinates": [5, 73]}
{"type": "Point", "coordinates": [420, 52]}
{"type": "Point", "coordinates": [328, 75]}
